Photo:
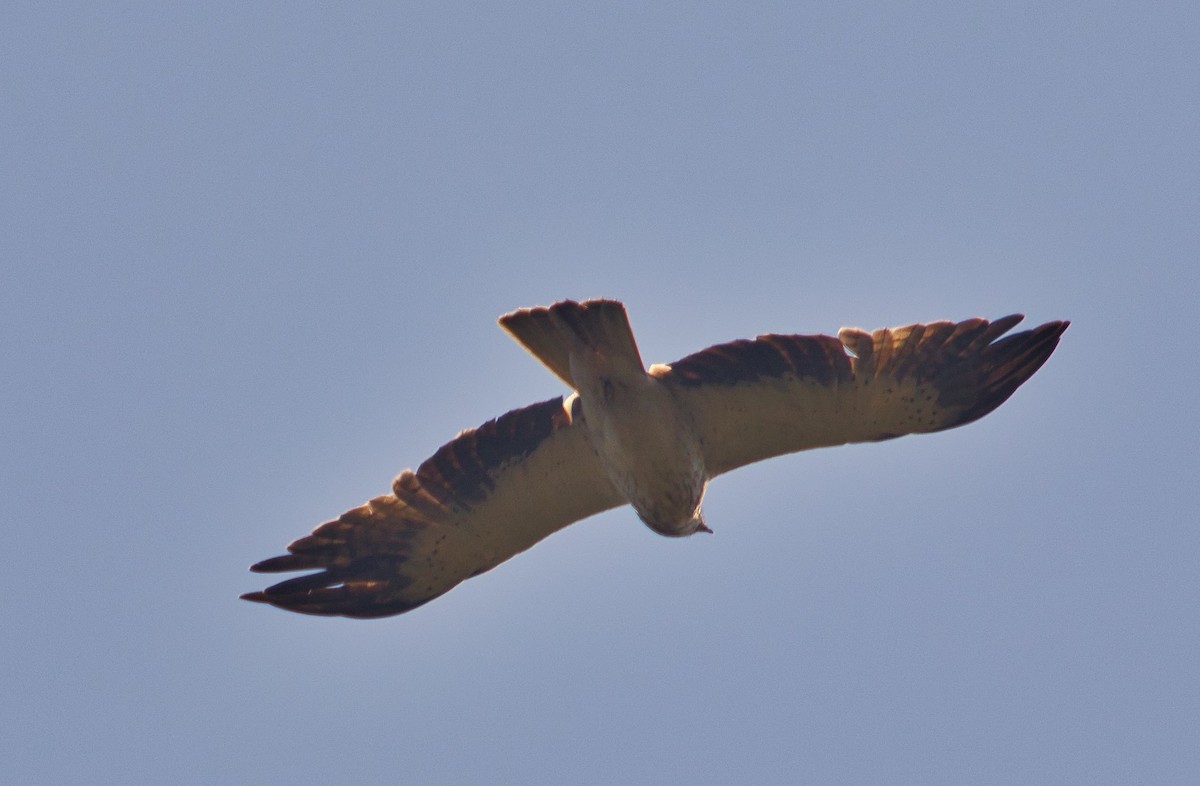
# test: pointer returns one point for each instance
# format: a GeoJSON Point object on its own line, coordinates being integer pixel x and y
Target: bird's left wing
{"type": "Point", "coordinates": [754, 399]}
{"type": "Point", "coordinates": [483, 497]}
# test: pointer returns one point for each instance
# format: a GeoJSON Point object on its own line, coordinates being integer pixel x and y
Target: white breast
{"type": "Point", "coordinates": [649, 447]}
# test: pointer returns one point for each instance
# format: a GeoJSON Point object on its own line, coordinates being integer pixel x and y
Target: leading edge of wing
{"type": "Point", "coordinates": [486, 495]}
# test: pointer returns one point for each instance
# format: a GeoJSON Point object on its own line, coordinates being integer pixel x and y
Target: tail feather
{"type": "Point", "coordinates": [552, 333]}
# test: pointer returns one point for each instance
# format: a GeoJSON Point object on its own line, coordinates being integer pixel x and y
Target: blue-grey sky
{"type": "Point", "coordinates": [252, 257]}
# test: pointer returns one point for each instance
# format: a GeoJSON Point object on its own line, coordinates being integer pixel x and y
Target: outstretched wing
{"type": "Point", "coordinates": [487, 495]}
{"type": "Point", "coordinates": [752, 400]}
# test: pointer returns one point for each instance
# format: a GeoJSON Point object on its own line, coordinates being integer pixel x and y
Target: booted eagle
{"type": "Point", "coordinates": [651, 439]}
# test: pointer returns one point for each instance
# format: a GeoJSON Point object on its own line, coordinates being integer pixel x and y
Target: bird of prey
{"type": "Point", "coordinates": [648, 438]}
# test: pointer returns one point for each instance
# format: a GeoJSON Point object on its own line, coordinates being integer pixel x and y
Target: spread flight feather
{"type": "Point", "coordinates": [650, 439]}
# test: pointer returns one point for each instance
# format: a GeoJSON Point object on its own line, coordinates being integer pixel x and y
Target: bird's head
{"type": "Point", "coordinates": [678, 529]}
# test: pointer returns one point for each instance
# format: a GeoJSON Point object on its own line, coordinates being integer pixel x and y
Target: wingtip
{"type": "Point", "coordinates": [1010, 362]}
{"type": "Point", "coordinates": [278, 564]}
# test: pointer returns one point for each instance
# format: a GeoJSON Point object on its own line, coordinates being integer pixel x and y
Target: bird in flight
{"type": "Point", "coordinates": [648, 438]}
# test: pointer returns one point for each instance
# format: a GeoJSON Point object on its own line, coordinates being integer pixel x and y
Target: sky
{"type": "Point", "coordinates": [251, 262]}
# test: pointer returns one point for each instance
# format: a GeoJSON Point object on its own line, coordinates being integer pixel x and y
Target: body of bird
{"type": "Point", "coordinates": [652, 439]}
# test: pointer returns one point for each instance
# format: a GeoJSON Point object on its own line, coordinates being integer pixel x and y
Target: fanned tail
{"type": "Point", "coordinates": [552, 333]}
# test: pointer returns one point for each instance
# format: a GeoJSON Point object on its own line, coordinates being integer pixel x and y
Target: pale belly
{"type": "Point", "coordinates": [650, 450]}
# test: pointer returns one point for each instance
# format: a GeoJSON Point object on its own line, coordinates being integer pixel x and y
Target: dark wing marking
{"type": "Point", "coordinates": [483, 497]}
{"type": "Point", "coordinates": [819, 358]}
{"type": "Point", "coordinates": [752, 400]}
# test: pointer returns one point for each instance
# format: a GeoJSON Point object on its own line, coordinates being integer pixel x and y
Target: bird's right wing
{"type": "Point", "coordinates": [751, 400]}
